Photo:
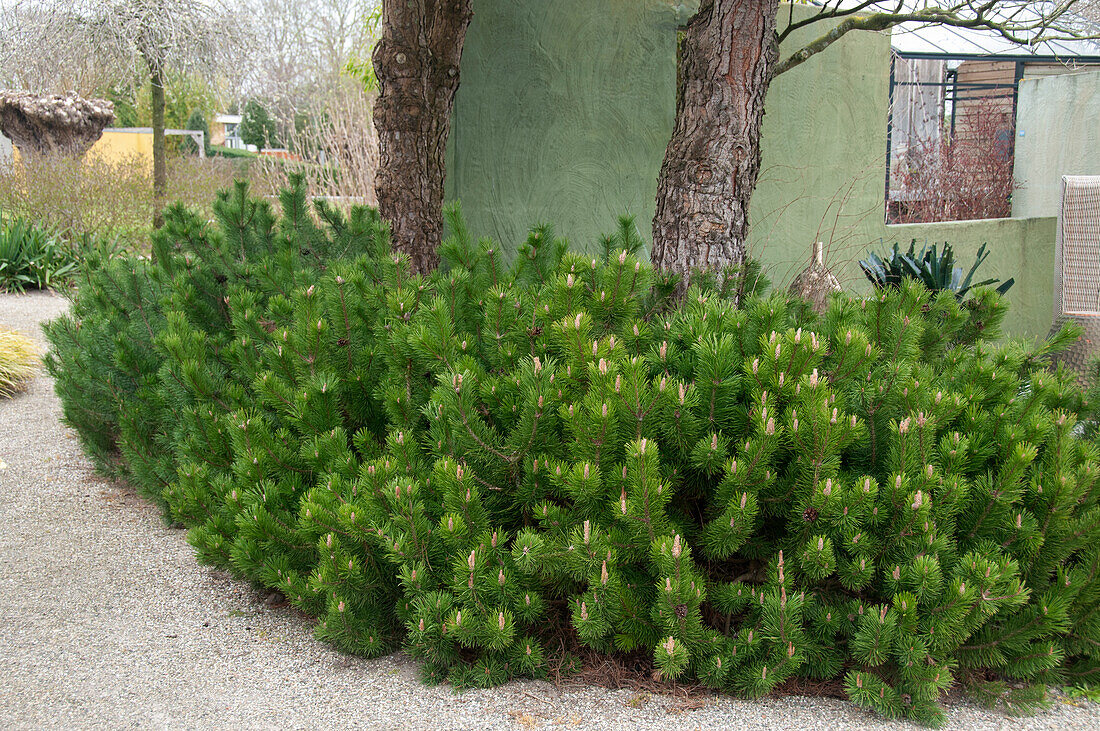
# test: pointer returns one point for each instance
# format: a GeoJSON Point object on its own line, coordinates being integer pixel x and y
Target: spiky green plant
{"type": "Point", "coordinates": [32, 257]}
{"type": "Point", "coordinates": [933, 268]}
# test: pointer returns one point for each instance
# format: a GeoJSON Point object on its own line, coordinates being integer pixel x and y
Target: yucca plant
{"type": "Point", "coordinates": [935, 269]}
{"type": "Point", "coordinates": [32, 257]}
{"type": "Point", "coordinates": [18, 361]}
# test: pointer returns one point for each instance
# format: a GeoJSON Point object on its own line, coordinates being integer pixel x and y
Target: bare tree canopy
{"type": "Point", "coordinates": [298, 61]}
{"type": "Point", "coordinates": [43, 49]}
{"type": "Point", "coordinates": [47, 44]}
{"type": "Point", "coordinates": [1018, 21]}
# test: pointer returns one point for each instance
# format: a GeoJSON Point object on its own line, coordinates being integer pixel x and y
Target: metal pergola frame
{"type": "Point", "coordinates": [953, 86]}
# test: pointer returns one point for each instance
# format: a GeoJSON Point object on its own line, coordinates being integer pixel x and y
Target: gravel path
{"type": "Point", "coordinates": [107, 621]}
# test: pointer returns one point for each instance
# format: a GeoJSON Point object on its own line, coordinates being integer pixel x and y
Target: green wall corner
{"type": "Point", "coordinates": [563, 115]}
{"type": "Point", "coordinates": [566, 107]}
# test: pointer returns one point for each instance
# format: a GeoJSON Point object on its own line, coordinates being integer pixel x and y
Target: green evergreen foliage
{"type": "Point", "coordinates": [741, 489]}
{"type": "Point", "coordinates": [257, 127]}
{"type": "Point", "coordinates": [197, 122]}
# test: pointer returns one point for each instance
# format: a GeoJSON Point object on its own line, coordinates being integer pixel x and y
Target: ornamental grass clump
{"type": "Point", "coordinates": [741, 491]}
{"type": "Point", "coordinates": [18, 362]}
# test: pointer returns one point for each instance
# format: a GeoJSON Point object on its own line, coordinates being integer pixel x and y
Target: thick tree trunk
{"type": "Point", "coordinates": [160, 170]}
{"type": "Point", "coordinates": [417, 64]}
{"type": "Point", "coordinates": [728, 55]}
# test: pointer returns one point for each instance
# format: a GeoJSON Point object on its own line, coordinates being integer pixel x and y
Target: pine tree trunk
{"type": "Point", "coordinates": [417, 63]}
{"type": "Point", "coordinates": [160, 171]}
{"type": "Point", "coordinates": [711, 165]}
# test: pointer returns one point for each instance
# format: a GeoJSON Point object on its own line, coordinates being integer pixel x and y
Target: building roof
{"type": "Point", "coordinates": [149, 130]}
{"type": "Point", "coordinates": [913, 39]}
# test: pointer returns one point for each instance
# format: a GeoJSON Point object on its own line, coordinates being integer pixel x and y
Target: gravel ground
{"type": "Point", "coordinates": [107, 621]}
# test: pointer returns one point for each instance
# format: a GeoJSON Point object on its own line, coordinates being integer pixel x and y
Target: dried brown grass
{"type": "Point", "coordinates": [18, 361]}
{"type": "Point", "coordinates": [113, 198]}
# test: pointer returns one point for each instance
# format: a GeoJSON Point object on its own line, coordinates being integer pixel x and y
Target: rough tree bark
{"type": "Point", "coordinates": [160, 170]}
{"type": "Point", "coordinates": [728, 56]}
{"type": "Point", "coordinates": [417, 63]}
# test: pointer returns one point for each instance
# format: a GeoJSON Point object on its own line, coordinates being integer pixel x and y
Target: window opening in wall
{"type": "Point", "coordinates": [952, 132]}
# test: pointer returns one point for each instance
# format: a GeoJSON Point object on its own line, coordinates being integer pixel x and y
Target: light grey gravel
{"type": "Point", "coordinates": [107, 621]}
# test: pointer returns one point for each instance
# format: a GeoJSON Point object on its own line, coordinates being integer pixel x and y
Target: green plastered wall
{"type": "Point", "coordinates": [823, 170]}
{"type": "Point", "coordinates": [563, 114]}
{"type": "Point", "coordinates": [566, 106]}
{"type": "Point", "coordinates": [1069, 104]}
{"type": "Point", "coordinates": [1021, 248]}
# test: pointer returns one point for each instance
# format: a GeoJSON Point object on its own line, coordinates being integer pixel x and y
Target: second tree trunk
{"type": "Point", "coordinates": [417, 64]}
{"type": "Point", "coordinates": [160, 169]}
{"type": "Point", "coordinates": [713, 160]}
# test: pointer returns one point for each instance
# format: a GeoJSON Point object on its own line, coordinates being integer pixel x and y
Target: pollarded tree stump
{"type": "Point", "coordinates": [53, 125]}
{"type": "Point", "coordinates": [816, 282]}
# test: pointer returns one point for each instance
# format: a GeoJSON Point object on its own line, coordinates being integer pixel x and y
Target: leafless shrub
{"type": "Point", "coordinates": [338, 148]}
{"type": "Point", "coordinates": [113, 197]}
{"type": "Point", "coordinates": [195, 182]}
{"type": "Point", "coordinates": [965, 177]}
{"type": "Point", "coordinates": [77, 195]}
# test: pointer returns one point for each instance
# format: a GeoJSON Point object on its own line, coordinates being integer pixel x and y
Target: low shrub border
{"type": "Point", "coordinates": [746, 492]}
{"type": "Point", "coordinates": [33, 257]}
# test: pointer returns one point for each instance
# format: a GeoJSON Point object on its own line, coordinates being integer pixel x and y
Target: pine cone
{"type": "Point", "coordinates": [810, 515]}
{"type": "Point", "coordinates": [681, 611]}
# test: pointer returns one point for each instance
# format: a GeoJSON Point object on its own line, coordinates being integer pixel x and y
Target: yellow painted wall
{"type": "Point", "coordinates": [118, 145]}
{"type": "Point", "coordinates": [115, 146]}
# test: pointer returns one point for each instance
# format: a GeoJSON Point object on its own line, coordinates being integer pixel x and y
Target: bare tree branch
{"type": "Point", "coordinates": [55, 45]}
{"type": "Point", "coordinates": [1017, 21]}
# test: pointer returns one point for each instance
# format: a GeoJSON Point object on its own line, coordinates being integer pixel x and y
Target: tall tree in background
{"type": "Point", "coordinates": [730, 53]}
{"type": "Point", "coordinates": [43, 50]}
{"type": "Point", "coordinates": [112, 41]}
{"type": "Point", "coordinates": [197, 122]}
{"type": "Point", "coordinates": [257, 127]}
{"type": "Point", "coordinates": [156, 36]}
{"type": "Point", "coordinates": [417, 66]}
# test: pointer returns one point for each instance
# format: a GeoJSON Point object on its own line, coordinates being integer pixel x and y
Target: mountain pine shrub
{"type": "Point", "coordinates": [740, 489]}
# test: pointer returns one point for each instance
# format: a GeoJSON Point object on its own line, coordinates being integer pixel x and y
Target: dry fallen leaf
{"type": "Point", "coordinates": [524, 719]}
